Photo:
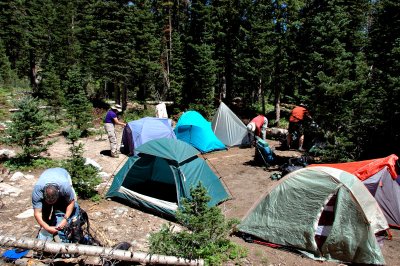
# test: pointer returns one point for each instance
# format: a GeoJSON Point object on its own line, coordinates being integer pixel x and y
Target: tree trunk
{"type": "Point", "coordinates": [261, 90]}
{"type": "Point", "coordinates": [105, 252]}
{"type": "Point", "coordinates": [117, 92]}
{"type": "Point", "coordinates": [124, 97]}
{"type": "Point", "coordinates": [277, 102]}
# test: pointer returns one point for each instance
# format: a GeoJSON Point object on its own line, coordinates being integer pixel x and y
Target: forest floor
{"type": "Point", "coordinates": [114, 222]}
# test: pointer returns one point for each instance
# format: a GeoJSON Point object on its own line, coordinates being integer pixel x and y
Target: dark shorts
{"type": "Point", "coordinates": [296, 127]}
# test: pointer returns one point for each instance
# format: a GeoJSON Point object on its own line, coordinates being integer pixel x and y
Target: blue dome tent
{"type": "Point", "coordinates": [194, 129]}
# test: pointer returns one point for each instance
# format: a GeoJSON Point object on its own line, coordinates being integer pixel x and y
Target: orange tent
{"type": "Point", "coordinates": [381, 179]}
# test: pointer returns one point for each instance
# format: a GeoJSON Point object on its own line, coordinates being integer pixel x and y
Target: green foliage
{"type": "Point", "coordinates": [207, 234]}
{"type": "Point", "coordinates": [131, 115]}
{"type": "Point", "coordinates": [28, 129]}
{"type": "Point", "coordinates": [341, 57]}
{"type": "Point", "coordinates": [21, 164]}
{"type": "Point", "coordinates": [84, 177]}
{"type": "Point", "coordinates": [6, 73]}
{"type": "Point", "coordinates": [79, 108]}
{"type": "Point", "coordinates": [4, 93]}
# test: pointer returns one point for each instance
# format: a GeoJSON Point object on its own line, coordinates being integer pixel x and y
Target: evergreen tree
{"type": "Point", "coordinates": [208, 233]}
{"type": "Point", "coordinates": [50, 88]}
{"type": "Point", "coordinates": [84, 177]}
{"type": "Point", "coordinates": [147, 70]}
{"type": "Point", "coordinates": [384, 57]}
{"type": "Point", "coordinates": [333, 69]}
{"type": "Point", "coordinates": [13, 34]}
{"type": "Point", "coordinates": [201, 67]}
{"type": "Point", "coordinates": [28, 129]}
{"type": "Point", "coordinates": [6, 73]}
{"type": "Point", "coordinates": [79, 108]}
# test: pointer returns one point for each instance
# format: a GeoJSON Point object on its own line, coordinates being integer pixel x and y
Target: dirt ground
{"type": "Point", "coordinates": [114, 222]}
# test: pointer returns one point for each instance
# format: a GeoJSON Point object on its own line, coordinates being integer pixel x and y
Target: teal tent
{"type": "Point", "coordinates": [194, 129]}
{"type": "Point", "coordinates": [162, 174]}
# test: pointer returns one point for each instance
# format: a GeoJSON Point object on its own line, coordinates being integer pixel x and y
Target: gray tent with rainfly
{"type": "Point", "coordinates": [162, 174]}
{"type": "Point", "coordinates": [229, 128]}
{"type": "Point", "coordinates": [324, 212]}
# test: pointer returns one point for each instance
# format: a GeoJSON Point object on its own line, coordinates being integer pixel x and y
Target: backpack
{"type": "Point", "coordinates": [78, 230]}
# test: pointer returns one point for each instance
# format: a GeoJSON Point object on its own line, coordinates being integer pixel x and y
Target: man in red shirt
{"type": "Point", "coordinates": [297, 117]}
{"type": "Point", "coordinates": [258, 125]}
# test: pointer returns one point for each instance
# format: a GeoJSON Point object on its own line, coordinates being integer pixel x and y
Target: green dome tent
{"type": "Point", "coordinates": [163, 174]}
{"type": "Point", "coordinates": [326, 213]}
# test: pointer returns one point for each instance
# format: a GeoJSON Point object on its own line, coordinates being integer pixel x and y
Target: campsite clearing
{"type": "Point", "coordinates": [115, 222]}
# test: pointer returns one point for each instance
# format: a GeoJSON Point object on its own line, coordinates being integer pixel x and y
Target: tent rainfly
{"type": "Point", "coordinates": [162, 174]}
{"type": "Point", "coordinates": [324, 212]}
{"type": "Point", "coordinates": [381, 179]}
{"type": "Point", "coordinates": [229, 128]}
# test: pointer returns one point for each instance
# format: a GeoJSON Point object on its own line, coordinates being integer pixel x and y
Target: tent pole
{"type": "Point", "coordinates": [219, 175]}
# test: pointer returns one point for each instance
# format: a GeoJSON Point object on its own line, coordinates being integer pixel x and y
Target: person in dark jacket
{"type": "Point", "coordinates": [110, 121]}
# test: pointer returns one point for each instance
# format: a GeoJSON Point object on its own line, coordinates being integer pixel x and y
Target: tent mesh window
{"type": "Point", "coordinates": [325, 221]}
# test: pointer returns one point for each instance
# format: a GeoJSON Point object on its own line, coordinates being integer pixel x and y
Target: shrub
{"type": "Point", "coordinates": [84, 177]}
{"type": "Point", "coordinates": [207, 234]}
{"type": "Point", "coordinates": [28, 129]}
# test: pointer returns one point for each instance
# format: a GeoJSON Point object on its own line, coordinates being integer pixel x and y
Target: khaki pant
{"type": "Point", "coordinates": [112, 137]}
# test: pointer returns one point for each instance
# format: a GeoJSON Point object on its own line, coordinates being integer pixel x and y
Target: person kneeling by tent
{"type": "Point", "coordinates": [54, 204]}
{"type": "Point", "coordinates": [258, 125]}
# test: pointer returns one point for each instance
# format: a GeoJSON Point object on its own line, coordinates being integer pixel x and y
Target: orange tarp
{"type": "Point", "coordinates": [364, 169]}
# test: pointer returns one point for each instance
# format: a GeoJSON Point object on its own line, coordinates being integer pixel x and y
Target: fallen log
{"type": "Point", "coordinates": [87, 250]}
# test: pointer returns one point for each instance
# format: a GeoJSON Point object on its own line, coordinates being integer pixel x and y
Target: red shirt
{"type": "Point", "coordinates": [298, 114]}
{"type": "Point", "coordinates": [258, 121]}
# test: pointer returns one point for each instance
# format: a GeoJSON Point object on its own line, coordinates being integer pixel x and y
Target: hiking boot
{"type": "Point", "coordinates": [301, 149]}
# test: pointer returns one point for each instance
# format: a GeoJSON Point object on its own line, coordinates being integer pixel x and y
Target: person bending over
{"type": "Point", "coordinates": [296, 124]}
{"type": "Point", "coordinates": [258, 125]}
{"type": "Point", "coordinates": [54, 203]}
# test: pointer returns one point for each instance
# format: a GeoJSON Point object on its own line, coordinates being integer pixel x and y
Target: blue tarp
{"type": "Point", "coordinates": [194, 129]}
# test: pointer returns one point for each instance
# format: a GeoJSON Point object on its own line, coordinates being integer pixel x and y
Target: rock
{"type": "Point", "coordinates": [275, 132]}
{"type": "Point", "coordinates": [17, 176]}
{"type": "Point", "coordinates": [29, 176]}
{"type": "Point", "coordinates": [104, 176]}
{"type": "Point", "coordinates": [26, 214]}
{"type": "Point", "coordinates": [120, 210]}
{"type": "Point", "coordinates": [7, 154]}
{"type": "Point", "coordinates": [93, 163]}
{"type": "Point", "coordinates": [6, 189]}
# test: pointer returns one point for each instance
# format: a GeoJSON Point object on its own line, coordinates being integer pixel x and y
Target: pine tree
{"type": "Point", "coordinates": [384, 59]}
{"type": "Point", "coordinates": [201, 67]}
{"type": "Point", "coordinates": [333, 69]}
{"type": "Point", "coordinates": [13, 34]}
{"type": "Point", "coordinates": [207, 234]}
{"type": "Point", "coordinates": [78, 106]}
{"type": "Point", "coordinates": [28, 129]}
{"type": "Point", "coordinates": [84, 177]}
{"type": "Point", "coordinates": [6, 73]}
{"type": "Point", "coordinates": [147, 70]}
